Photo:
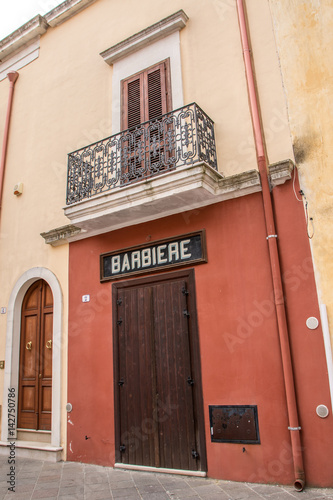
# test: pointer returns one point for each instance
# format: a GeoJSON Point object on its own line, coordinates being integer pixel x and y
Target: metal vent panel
{"type": "Point", "coordinates": [234, 424]}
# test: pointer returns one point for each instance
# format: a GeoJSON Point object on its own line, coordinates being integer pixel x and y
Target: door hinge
{"type": "Point", "coordinates": [195, 454]}
{"type": "Point", "coordinates": [185, 291]}
{"type": "Point", "coordinates": [119, 322]}
{"type": "Point", "coordinates": [186, 313]}
{"type": "Point", "coordinates": [121, 382]}
{"type": "Point", "coordinates": [122, 448]}
{"type": "Point", "coordinates": [119, 301]}
{"type": "Point", "coordinates": [190, 381]}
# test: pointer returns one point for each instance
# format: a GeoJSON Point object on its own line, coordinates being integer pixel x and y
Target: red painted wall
{"type": "Point", "coordinates": [240, 353]}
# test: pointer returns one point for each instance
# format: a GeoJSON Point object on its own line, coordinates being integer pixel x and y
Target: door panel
{"type": "Point", "coordinates": [157, 423]}
{"type": "Point", "coordinates": [35, 377]}
{"type": "Point", "coordinates": [136, 402]}
{"type": "Point", "coordinates": [173, 368]}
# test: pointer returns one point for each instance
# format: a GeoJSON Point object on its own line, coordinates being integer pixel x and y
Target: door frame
{"type": "Point", "coordinates": [12, 358]}
{"type": "Point", "coordinates": [194, 345]}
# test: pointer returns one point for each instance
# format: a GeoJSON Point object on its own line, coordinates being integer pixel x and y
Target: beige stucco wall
{"type": "Point", "coordinates": [304, 35]}
{"type": "Point", "coordinates": [63, 101]}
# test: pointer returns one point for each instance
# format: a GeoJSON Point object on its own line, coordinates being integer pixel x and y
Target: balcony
{"type": "Point", "coordinates": [159, 168]}
{"type": "Point", "coordinates": [181, 138]}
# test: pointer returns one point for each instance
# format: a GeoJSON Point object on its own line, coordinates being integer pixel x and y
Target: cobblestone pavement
{"type": "Point", "coordinates": [35, 479]}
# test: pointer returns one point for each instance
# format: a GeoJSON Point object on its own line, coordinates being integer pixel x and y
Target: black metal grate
{"type": "Point", "coordinates": [183, 137]}
{"type": "Point", "coordinates": [234, 424]}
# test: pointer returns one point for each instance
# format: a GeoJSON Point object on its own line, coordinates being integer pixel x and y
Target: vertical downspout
{"type": "Point", "coordinates": [12, 77]}
{"type": "Point", "coordinates": [289, 383]}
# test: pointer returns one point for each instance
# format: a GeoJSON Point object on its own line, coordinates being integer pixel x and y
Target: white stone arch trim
{"type": "Point", "coordinates": [11, 376]}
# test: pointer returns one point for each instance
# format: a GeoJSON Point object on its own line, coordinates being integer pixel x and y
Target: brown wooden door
{"type": "Point", "coordinates": [158, 387]}
{"type": "Point", "coordinates": [35, 377]}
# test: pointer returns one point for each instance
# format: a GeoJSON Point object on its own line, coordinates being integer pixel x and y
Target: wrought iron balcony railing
{"type": "Point", "coordinates": [183, 137]}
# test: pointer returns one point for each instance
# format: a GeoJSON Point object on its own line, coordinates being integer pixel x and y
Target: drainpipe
{"type": "Point", "coordinates": [12, 77]}
{"type": "Point", "coordinates": [289, 383]}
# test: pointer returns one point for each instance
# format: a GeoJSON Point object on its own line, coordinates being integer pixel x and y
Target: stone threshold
{"type": "Point", "coordinates": [144, 468]}
{"type": "Point", "coordinates": [31, 449]}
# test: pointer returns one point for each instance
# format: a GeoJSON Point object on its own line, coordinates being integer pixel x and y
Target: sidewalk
{"type": "Point", "coordinates": [36, 479]}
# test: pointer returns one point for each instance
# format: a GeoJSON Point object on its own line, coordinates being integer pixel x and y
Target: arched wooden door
{"type": "Point", "coordinates": [35, 376]}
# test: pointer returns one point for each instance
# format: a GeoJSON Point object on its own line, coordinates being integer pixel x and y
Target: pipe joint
{"type": "Point", "coordinates": [12, 76]}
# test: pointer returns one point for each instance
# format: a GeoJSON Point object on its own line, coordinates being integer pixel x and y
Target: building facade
{"type": "Point", "coordinates": [160, 304]}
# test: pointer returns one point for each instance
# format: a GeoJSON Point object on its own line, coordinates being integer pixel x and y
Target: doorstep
{"type": "Point", "coordinates": [145, 468]}
{"type": "Point", "coordinates": [33, 450]}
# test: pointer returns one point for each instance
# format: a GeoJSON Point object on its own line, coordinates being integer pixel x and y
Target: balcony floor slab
{"type": "Point", "coordinates": [186, 188]}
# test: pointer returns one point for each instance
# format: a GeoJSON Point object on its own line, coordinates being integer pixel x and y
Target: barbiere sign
{"type": "Point", "coordinates": [164, 254]}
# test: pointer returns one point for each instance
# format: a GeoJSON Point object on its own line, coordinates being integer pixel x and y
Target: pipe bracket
{"type": "Point", "coordinates": [271, 236]}
{"type": "Point", "coordinates": [294, 428]}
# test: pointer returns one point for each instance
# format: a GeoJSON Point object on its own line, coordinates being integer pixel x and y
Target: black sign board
{"type": "Point", "coordinates": [171, 252]}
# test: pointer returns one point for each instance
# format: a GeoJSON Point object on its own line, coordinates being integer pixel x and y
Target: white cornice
{"type": "Point", "coordinates": [37, 26]}
{"type": "Point", "coordinates": [157, 31]}
{"type": "Point", "coordinates": [30, 31]}
{"type": "Point", "coordinates": [60, 235]}
{"type": "Point", "coordinates": [280, 172]}
{"type": "Point", "coordinates": [66, 10]}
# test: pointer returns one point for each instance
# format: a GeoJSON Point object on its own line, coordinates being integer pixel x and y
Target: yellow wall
{"type": "Point", "coordinates": [304, 38]}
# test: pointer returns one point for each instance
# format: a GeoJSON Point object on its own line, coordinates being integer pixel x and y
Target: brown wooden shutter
{"type": "Point", "coordinates": [145, 95]}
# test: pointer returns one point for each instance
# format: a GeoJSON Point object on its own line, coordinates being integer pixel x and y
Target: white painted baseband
{"type": "Point", "coordinates": [144, 468]}
{"type": "Point", "coordinates": [328, 348]}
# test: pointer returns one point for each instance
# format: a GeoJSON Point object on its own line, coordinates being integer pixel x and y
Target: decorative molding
{"type": "Point", "coordinates": [240, 184]}
{"type": "Point", "coordinates": [157, 31]}
{"type": "Point", "coordinates": [20, 59]}
{"type": "Point", "coordinates": [60, 235]}
{"type": "Point", "coordinates": [12, 354]}
{"type": "Point", "coordinates": [29, 32]}
{"type": "Point", "coordinates": [280, 172]}
{"type": "Point", "coordinates": [186, 188]}
{"type": "Point", "coordinates": [65, 11]}
{"type": "Point", "coordinates": [38, 25]}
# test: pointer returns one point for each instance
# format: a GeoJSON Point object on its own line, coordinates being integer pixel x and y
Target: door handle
{"type": "Point", "coordinates": [28, 346]}
{"type": "Point", "coordinates": [49, 344]}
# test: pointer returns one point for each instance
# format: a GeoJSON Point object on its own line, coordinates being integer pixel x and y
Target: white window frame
{"type": "Point", "coordinates": [143, 50]}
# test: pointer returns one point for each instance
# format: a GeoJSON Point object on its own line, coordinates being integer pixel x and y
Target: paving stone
{"type": "Point", "coordinates": [72, 490]}
{"type": "Point", "coordinates": [70, 497]}
{"type": "Point", "coordinates": [183, 493]}
{"type": "Point", "coordinates": [155, 496]}
{"type": "Point", "coordinates": [116, 485]}
{"type": "Point", "coordinates": [172, 484]}
{"type": "Point", "coordinates": [46, 485]}
{"type": "Point", "coordinates": [73, 481]}
{"type": "Point", "coordinates": [98, 495]}
{"type": "Point", "coordinates": [264, 489]}
{"type": "Point", "coordinates": [45, 493]}
{"type": "Point", "coordinates": [125, 492]}
{"type": "Point", "coordinates": [96, 487]}
{"type": "Point", "coordinates": [150, 488]}
{"type": "Point", "coordinates": [17, 496]}
{"type": "Point", "coordinates": [96, 478]}
{"type": "Point", "coordinates": [48, 479]}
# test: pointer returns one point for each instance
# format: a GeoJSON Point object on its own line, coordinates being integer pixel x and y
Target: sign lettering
{"type": "Point", "coordinates": [171, 252]}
